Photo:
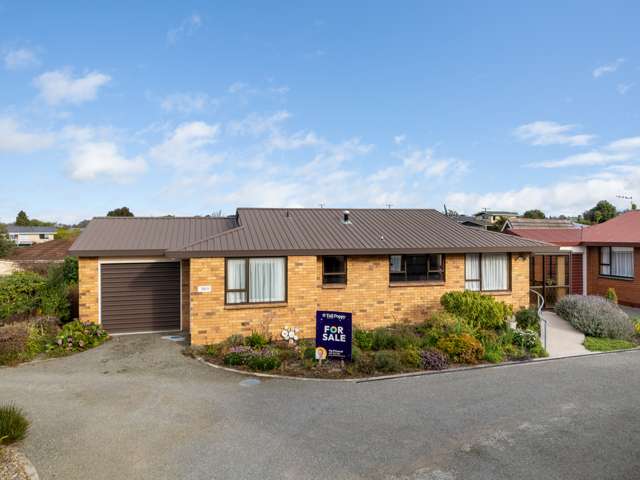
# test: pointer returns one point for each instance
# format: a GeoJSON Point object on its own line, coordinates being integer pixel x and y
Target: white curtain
{"type": "Point", "coordinates": [472, 271]}
{"type": "Point", "coordinates": [604, 258]}
{"type": "Point", "coordinates": [622, 261]}
{"type": "Point", "coordinates": [495, 268]}
{"type": "Point", "coordinates": [396, 263]}
{"type": "Point", "coordinates": [266, 280]}
{"type": "Point", "coordinates": [236, 280]}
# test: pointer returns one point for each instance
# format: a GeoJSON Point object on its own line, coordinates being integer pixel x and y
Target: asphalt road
{"type": "Point", "coordinates": [136, 408]}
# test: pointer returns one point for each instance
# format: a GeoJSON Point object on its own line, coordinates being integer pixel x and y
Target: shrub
{"type": "Point", "coordinates": [13, 342]}
{"type": "Point", "coordinates": [595, 316]}
{"type": "Point", "coordinates": [256, 340]}
{"type": "Point", "coordinates": [410, 357]}
{"type": "Point", "coordinates": [525, 338]}
{"type": "Point", "coordinates": [19, 294]}
{"type": "Point", "coordinates": [235, 340]}
{"type": "Point", "coordinates": [611, 295]}
{"type": "Point", "coordinates": [77, 336]}
{"type": "Point", "coordinates": [528, 319]}
{"type": "Point", "coordinates": [309, 353]}
{"type": "Point", "coordinates": [237, 355]}
{"type": "Point", "coordinates": [636, 323]}
{"type": "Point", "coordinates": [70, 270]}
{"type": "Point", "coordinates": [461, 348]}
{"type": "Point", "coordinates": [363, 339]}
{"type": "Point", "coordinates": [387, 361]}
{"type": "Point", "coordinates": [393, 338]}
{"type": "Point", "coordinates": [365, 363]}
{"type": "Point", "coordinates": [480, 311]}
{"type": "Point", "coordinates": [265, 359]}
{"type": "Point", "coordinates": [13, 424]}
{"type": "Point", "coordinates": [440, 321]}
{"type": "Point", "coordinates": [433, 359]}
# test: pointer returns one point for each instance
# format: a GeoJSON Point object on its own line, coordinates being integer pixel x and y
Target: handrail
{"type": "Point", "coordinates": [540, 304]}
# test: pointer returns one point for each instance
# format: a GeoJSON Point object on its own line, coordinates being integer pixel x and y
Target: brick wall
{"type": "Point", "coordinates": [628, 291]}
{"type": "Point", "coordinates": [88, 289]}
{"type": "Point", "coordinates": [368, 296]}
{"type": "Point", "coordinates": [186, 299]}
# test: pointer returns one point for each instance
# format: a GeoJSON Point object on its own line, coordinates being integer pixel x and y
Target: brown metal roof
{"type": "Point", "coordinates": [53, 250]}
{"type": "Point", "coordinates": [532, 223]}
{"type": "Point", "coordinates": [135, 236]}
{"type": "Point", "coordinates": [281, 231]}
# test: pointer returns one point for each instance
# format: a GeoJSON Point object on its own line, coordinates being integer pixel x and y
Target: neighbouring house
{"type": "Point", "coordinates": [468, 221]}
{"type": "Point", "coordinates": [591, 259]}
{"type": "Point", "coordinates": [493, 216]}
{"type": "Point", "coordinates": [522, 223]}
{"type": "Point", "coordinates": [24, 236]}
{"type": "Point", "coordinates": [271, 268]}
{"type": "Point", "coordinates": [53, 251]}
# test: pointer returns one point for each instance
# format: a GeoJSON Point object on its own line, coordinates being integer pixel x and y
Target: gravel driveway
{"type": "Point", "coordinates": [136, 408]}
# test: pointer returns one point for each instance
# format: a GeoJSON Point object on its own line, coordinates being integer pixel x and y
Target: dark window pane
{"type": "Point", "coordinates": [397, 277]}
{"type": "Point", "coordinates": [436, 276]}
{"type": "Point", "coordinates": [335, 279]}
{"type": "Point", "coordinates": [334, 264]}
{"type": "Point", "coordinates": [416, 266]}
{"type": "Point", "coordinates": [435, 262]}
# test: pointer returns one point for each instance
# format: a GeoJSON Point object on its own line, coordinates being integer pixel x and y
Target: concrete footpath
{"type": "Point", "coordinates": [562, 339]}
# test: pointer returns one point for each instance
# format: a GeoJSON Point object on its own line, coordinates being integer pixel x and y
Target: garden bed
{"type": "Point", "coordinates": [472, 330]}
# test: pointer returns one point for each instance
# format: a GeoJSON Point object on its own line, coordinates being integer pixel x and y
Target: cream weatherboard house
{"type": "Point", "coordinates": [263, 269]}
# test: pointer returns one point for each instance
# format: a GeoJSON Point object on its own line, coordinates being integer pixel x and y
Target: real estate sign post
{"type": "Point", "coordinates": [333, 335]}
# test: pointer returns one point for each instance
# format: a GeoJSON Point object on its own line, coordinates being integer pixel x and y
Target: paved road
{"type": "Point", "coordinates": [136, 408]}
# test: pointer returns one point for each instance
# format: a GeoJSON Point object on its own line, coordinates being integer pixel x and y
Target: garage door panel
{"type": "Point", "coordinates": [140, 296]}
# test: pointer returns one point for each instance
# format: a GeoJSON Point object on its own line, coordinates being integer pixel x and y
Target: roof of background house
{"type": "Point", "coordinates": [495, 212]}
{"type": "Point", "coordinates": [558, 236]}
{"type": "Point", "coordinates": [468, 219]}
{"type": "Point", "coordinates": [51, 251]}
{"type": "Point", "coordinates": [518, 223]}
{"type": "Point", "coordinates": [623, 229]}
{"type": "Point", "coordinates": [145, 235]}
{"type": "Point", "coordinates": [30, 229]}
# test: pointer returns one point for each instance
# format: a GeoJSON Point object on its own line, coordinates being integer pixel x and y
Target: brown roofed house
{"type": "Point", "coordinates": [275, 267]}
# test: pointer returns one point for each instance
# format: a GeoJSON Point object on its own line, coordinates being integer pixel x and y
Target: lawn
{"type": "Point", "coordinates": [598, 344]}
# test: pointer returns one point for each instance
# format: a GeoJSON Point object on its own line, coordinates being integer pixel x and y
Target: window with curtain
{"type": "Point", "coordinates": [256, 280]}
{"type": "Point", "coordinates": [486, 271]}
{"type": "Point", "coordinates": [415, 268]}
{"type": "Point", "coordinates": [616, 262]}
{"type": "Point", "coordinates": [334, 270]}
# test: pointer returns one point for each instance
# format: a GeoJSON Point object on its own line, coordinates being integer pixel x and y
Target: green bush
{"type": "Point", "coordinates": [256, 340]}
{"type": "Point", "coordinates": [13, 342]}
{"type": "Point", "coordinates": [595, 316]}
{"type": "Point", "coordinates": [461, 348]}
{"type": "Point", "coordinates": [265, 359]}
{"type": "Point", "coordinates": [525, 338]}
{"type": "Point", "coordinates": [410, 357]}
{"type": "Point", "coordinates": [309, 353]}
{"type": "Point", "coordinates": [235, 340]}
{"type": "Point", "coordinates": [20, 294]}
{"type": "Point", "coordinates": [393, 338]}
{"type": "Point", "coordinates": [77, 336]}
{"type": "Point", "coordinates": [237, 355]}
{"type": "Point", "coordinates": [363, 339]}
{"type": "Point", "coordinates": [611, 295]}
{"type": "Point", "coordinates": [480, 311]}
{"type": "Point", "coordinates": [387, 361]}
{"type": "Point", "coordinates": [365, 363]}
{"type": "Point", "coordinates": [13, 424]}
{"type": "Point", "coordinates": [528, 319]}
{"type": "Point", "coordinates": [70, 270]}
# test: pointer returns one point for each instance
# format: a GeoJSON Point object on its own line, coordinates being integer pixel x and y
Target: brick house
{"type": "Point", "coordinates": [264, 269]}
{"type": "Point", "coordinates": [602, 256]}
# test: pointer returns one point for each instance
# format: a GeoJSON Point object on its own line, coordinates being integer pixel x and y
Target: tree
{"type": "Point", "coordinates": [634, 206]}
{"type": "Point", "coordinates": [21, 219]}
{"type": "Point", "coordinates": [120, 212]}
{"type": "Point", "coordinates": [499, 223]}
{"type": "Point", "coordinates": [602, 212]}
{"type": "Point", "coordinates": [535, 213]}
{"type": "Point", "coordinates": [6, 244]}
{"type": "Point", "coordinates": [66, 233]}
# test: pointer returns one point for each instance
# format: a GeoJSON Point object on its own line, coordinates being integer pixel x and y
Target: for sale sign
{"type": "Point", "coordinates": [333, 334]}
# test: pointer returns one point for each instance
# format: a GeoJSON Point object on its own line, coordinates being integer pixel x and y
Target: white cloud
{"type": "Point", "coordinates": [551, 133]}
{"type": "Point", "coordinates": [256, 124]}
{"type": "Point", "coordinates": [186, 146]}
{"type": "Point", "coordinates": [186, 103]}
{"type": "Point", "coordinates": [93, 160]}
{"type": "Point", "coordinates": [59, 86]}
{"type": "Point", "coordinates": [623, 88]}
{"type": "Point", "coordinates": [297, 140]}
{"type": "Point", "coordinates": [14, 139]}
{"type": "Point", "coordinates": [565, 197]}
{"type": "Point", "coordinates": [187, 27]}
{"type": "Point", "coordinates": [399, 139]}
{"type": "Point", "coordinates": [422, 161]}
{"type": "Point", "coordinates": [19, 58]}
{"type": "Point", "coordinates": [585, 159]}
{"type": "Point", "coordinates": [608, 68]}
{"type": "Point", "coordinates": [625, 144]}
{"type": "Point", "coordinates": [237, 87]}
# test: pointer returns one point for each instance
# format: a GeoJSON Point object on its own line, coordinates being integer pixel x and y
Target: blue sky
{"type": "Point", "coordinates": [196, 107]}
